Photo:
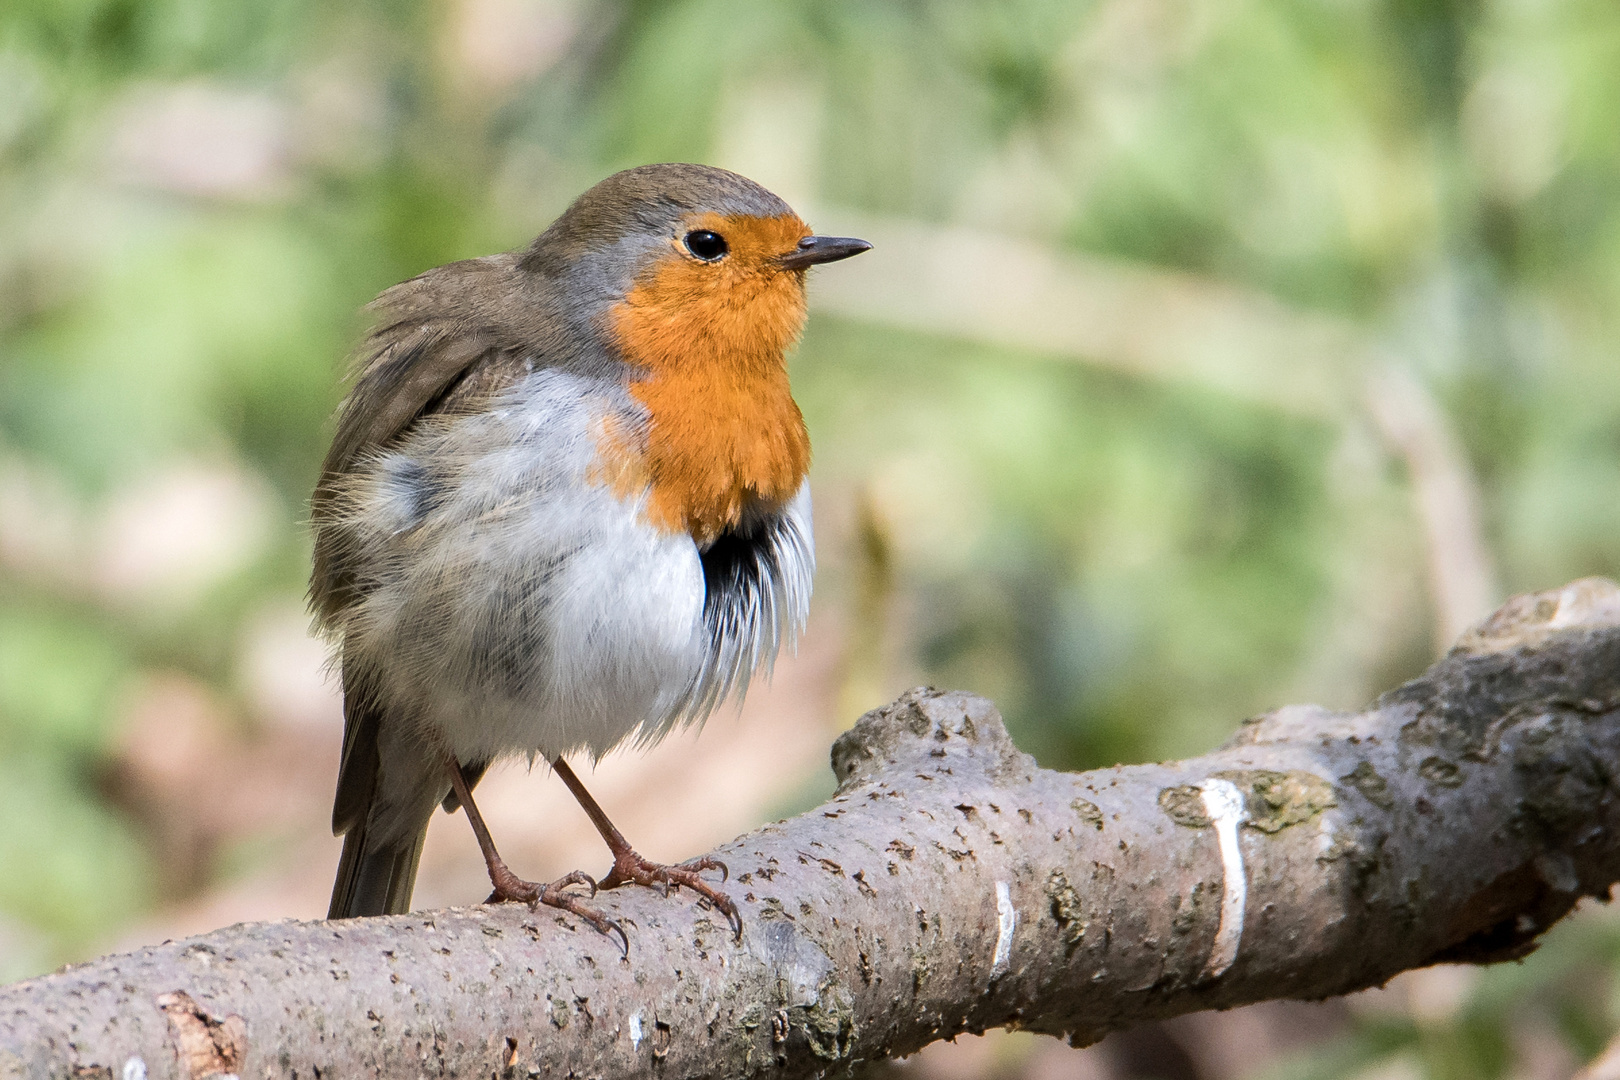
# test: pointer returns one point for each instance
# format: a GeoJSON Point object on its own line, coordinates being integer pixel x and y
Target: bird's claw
{"type": "Point", "coordinates": [511, 888]}
{"type": "Point", "coordinates": [707, 862]}
{"type": "Point", "coordinates": [554, 896]}
{"type": "Point", "coordinates": [629, 867]}
{"type": "Point", "coordinates": [575, 877]}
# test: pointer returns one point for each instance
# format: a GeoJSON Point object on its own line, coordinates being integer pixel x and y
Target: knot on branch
{"type": "Point", "coordinates": [916, 726]}
{"type": "Point", "coordinates": [1552, 653]}
{"type": "Point", "coordinates": [1532, 618]}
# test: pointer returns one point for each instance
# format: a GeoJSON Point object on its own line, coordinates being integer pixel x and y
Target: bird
{"type": "Point", "coordinates": [565, 507]}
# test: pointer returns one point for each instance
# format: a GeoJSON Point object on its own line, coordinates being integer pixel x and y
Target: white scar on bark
{"type": "Point", "coordinates": [1223, 802]}
{"type": "Point", "coordinates": [1007, 921]}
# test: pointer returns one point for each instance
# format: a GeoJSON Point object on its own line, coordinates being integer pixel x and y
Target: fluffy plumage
{"type": "Point", "coordinates": [538, 532]}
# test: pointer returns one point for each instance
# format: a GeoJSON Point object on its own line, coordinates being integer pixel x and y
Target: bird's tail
{"type": "Point", "coordinates": [375, 878]}
{"type": "Point", "coordinates": [377, 871]}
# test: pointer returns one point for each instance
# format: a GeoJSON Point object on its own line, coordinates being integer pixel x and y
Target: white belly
{"type": "Point", "coordinates": [513, 603]}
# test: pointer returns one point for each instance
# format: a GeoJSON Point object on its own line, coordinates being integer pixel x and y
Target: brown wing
{"type": "Point", "coordinates": [440, 343]}
{"type": "Point", "coordinates": [446, 341]}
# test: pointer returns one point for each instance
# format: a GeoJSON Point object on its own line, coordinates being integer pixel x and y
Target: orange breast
{"type": "Point", "coordinates": [724, 431]}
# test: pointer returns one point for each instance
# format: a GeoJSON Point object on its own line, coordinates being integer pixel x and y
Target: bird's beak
{"type": "Point", "coordinates": [821, 249]}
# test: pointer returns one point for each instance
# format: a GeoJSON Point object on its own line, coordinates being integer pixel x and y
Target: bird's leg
{"type": "Point", "coordinates": [508, 886]}
{"type": "Point", "coordinates": [630, 867]}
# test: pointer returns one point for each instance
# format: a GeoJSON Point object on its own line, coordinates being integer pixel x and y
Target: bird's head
{"type": "Point", "coordinates": [683, 263]}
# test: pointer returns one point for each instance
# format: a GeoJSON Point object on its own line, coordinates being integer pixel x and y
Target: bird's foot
{"type": "Point", "coordinates": [509, 887]}
{"type": "Point", "coordinates": [630, 868]}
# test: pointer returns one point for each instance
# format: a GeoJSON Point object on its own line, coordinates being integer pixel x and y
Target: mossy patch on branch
{"type": "Point", "coordinates": [1272, 800]}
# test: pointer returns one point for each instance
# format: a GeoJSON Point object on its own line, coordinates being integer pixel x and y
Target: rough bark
{"type": "Point", "coordinates": [951, 885]}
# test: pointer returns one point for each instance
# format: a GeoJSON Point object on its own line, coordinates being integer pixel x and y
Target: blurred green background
{"type": "Point", "coordinates": [1214, 354]}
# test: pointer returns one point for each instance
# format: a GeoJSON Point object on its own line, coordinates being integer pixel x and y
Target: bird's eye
{"type": "Point", "coordinates": [706, 245]}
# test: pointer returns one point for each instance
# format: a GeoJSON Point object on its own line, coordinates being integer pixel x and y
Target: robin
{"type": "Point", "coordinates": [565, 506]}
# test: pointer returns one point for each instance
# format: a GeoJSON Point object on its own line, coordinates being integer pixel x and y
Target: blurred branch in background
{"type": "Point", "coordinates": [871, 638]}
{"type": "Point", "coordinates": [1173, 327]}
{"type": "Point", "coordinates": [1605, 1067]}
{"type": "Point", "coordinates": [1445, 497]}
{"type": "Point", "coordinates": [1185, 330]}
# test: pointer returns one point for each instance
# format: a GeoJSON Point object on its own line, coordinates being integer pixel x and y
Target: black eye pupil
{"type": "Point", "coordinates": [706, 245]}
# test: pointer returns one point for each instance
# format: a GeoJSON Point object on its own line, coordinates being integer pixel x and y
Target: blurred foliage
{"type": "Point", "coordinates": [197, 195]}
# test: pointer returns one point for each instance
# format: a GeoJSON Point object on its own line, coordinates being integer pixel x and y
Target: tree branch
{"type": "Point", "coordinates": [950, 886]}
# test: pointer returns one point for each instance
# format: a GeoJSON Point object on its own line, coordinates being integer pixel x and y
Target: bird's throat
{"type": "Point", "coordinates": [724, 434]}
